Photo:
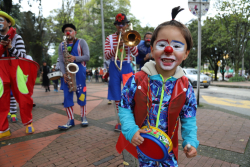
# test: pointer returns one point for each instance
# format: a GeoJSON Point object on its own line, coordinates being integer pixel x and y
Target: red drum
{"type": "Point", "coordinates": [19, 75]}
{"type": "Point", "coordinates": [156, 145]}
{"type": "Point", "coordinates": [28, 67]}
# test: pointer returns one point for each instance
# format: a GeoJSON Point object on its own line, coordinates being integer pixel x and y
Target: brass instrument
{"type": "Point", "coordinates": [130, 38]}
{"type": "Point", "coordinates": [70, 68]}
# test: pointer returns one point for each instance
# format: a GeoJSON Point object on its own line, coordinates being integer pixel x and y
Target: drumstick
{"type": "Point", "coordinates": [188, 147]}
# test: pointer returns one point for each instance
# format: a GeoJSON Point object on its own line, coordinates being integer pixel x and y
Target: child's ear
{"type": "Point", "coordinates": [186, 54]}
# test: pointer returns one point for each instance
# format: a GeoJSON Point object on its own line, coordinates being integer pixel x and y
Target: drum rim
{"type": "Point", "coordinates": [54, 77]}
{"type": "Point", "coordinates": [163, 133]}
{"type": "Point", "coordinates": [159, 143]}
{"type": "Point", "coordinates": [14, 58]}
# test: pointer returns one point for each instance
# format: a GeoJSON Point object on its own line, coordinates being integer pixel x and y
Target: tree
{"type": "Point", "coordinates": [191, 61]}
{"type": "Point", "coordinates": [6, 5]}
{"type": "Point", "coordinates": [235, 15]}
{"type": "Point", "coordinates": [87, 20]}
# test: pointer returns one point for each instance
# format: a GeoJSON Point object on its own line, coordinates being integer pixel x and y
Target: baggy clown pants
{"type": "Point", "coordinates": [21, 75]}
{"type": "Point", "coordinates": [81, 88]}
{"type": "Point", "coordinates": [116, 77]}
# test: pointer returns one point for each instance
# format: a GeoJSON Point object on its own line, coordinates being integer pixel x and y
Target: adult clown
{"type": "Point", "coordinates": [144, 51]}
{"type": "Point", "coordinates": [79, 54]}
{"type": "Point", "coordinates": [17, 73]}
{"type": "Point", "coordinates": [116, 76]}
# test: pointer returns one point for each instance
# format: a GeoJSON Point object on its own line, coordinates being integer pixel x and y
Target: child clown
{"type": "Point", "coordinates": [171, 96]}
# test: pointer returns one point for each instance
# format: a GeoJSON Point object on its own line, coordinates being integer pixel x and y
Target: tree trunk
{"type": "Point", "coordinates": [236, 67]}
{"type": "Point", "coordinates": [215, 72]}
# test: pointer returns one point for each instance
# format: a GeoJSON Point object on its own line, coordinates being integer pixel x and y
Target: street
{"type": "Point", "coordinates": [233, 99]}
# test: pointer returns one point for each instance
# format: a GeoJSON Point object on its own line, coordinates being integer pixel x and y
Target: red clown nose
{"type": "Point", "coordinates": [168, 49]}
{"type": "Point", "coordinates": [68, 33]}
{"type": "Point", "coordinates": [148, 40]}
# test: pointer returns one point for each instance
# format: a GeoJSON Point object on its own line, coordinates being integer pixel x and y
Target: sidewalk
{"type": "Point", "coordinates": [224, 138]}
{"type": "Point", "coordinates": [245, 84]}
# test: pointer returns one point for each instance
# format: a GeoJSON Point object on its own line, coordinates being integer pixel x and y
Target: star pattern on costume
{"type": "Point", "coordinates": [79, 88]}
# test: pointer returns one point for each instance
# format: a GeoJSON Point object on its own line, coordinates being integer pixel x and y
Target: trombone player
{"type": "Point", "coordinates": [120, 69]}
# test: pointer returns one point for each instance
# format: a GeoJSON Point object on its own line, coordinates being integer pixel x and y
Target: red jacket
{"type": "Point", "coordinates": [176, 103]}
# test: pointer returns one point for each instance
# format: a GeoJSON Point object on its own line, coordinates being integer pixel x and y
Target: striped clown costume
{"type": "Point", "coordinates": [116, 76]}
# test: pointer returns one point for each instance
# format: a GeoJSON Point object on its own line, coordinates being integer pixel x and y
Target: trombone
{"type": "Point", "coordinates": [130, 38]}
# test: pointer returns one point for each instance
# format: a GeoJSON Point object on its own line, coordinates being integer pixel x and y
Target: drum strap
{"type": "Point", "coordinates": [74, 42]}
{"type": "Point", "coordinates": [148, 111]}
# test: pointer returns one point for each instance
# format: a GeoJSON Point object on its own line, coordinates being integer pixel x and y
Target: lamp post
{"type": "Point", "coordinates": [198, 8]}
{"type": "Point", "coordinates": [103, 33]}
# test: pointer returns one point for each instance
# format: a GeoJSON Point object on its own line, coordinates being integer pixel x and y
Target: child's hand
{"type": "Point", "coordinates": [137, 139]}
{"type": "Point", "coordinates": [191, 153]}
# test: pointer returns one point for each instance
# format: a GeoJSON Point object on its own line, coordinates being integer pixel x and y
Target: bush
{"type": "Point", "coordinates": [237, 78]}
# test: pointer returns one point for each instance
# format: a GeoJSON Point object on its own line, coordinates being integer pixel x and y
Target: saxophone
{"type": "Point", "coordinates": [70, 68]}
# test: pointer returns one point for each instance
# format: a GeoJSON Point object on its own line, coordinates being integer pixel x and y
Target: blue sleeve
{"type": "Point", "coordinates": [141, 55]}
{"type": "Point", "coordinates": [129, 128]}
{"type": "Point", "coordinates": [126, 106]}
{"type": "Point", "coordinates": [128, 93]}
{"type": "Point", "coordinates": [190, 106]}
{"type": "Point", "coordinates": [188, 119]}
{"type": "Point", "coordinates": [140, 58]}
{"type": "Point", "coordinates": [189, 132]}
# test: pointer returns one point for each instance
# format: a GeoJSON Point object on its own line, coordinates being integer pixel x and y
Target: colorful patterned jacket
{"type": "Point", "coordinates": [175, 106]}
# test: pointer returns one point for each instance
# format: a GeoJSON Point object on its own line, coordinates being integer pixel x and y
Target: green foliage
{"type": "Point", "coordinates": [226, 33]}
{"type": "Point", "coordinates": [237, 78]}
{"type": "Point", "coordinates": [6, 5]}
{"type": "Point", "coordinates": [235, 16]}
{"type": "Point", "coordinates": [87, 20]}
{"type": "Point", "coordinates": [191, 60]}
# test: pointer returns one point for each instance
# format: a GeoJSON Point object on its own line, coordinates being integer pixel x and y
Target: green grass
{"type": "Point", "coordinates": [237, 78]}
{"type": "Point", "coordinates": [200, 105]}
{"type": "Point", "coordinates": [38, 80]}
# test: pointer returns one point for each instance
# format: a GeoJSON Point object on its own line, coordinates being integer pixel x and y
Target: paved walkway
{"type": "Point", "coordinates": [224, 138]}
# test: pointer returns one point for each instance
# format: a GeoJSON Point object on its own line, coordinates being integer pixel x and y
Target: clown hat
{"type": "Point", "coordinates": [8, 17]}
{"type": "Point", "coordinates": [121, 18]}
{"type": "Point", "coordinates": [68, 25]}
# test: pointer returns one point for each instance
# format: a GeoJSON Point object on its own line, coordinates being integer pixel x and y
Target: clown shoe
{"type": "Point", "coordinates": [30, 128]}
{"type": "Point", "coordinates": [5, 133]}
{"type": "Point", "coordinates": [69, 124]}
{"type": "Point", "coordinates": [84, 122]}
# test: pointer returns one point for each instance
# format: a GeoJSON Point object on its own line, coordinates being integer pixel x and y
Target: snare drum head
{"type": "Point", "coordinates": [54, 75]}
{"type": "Point", "coordinates": [156, 145]}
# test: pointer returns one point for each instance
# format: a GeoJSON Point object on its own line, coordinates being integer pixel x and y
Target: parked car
{"type": "Point", "coordinates": [228, 75]}
{"type": "Point", "coordinates": [192, 75]}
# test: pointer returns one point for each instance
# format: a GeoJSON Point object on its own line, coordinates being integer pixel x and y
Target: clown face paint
{"type": "Point", "coordinates": [1, 23]}
{"type": "Point", "coordinates": [167, 62]}
{"type": "Point", "coordinates": [176, 45]}
{"type": "Point", "coordinates": [71, 33]}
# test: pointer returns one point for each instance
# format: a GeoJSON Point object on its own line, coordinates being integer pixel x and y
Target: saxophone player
{"type": "Point", "coordinates": [78, 53]}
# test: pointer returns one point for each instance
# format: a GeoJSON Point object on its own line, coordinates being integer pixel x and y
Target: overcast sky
{"type": "Point", "coordinates": [149, 12]}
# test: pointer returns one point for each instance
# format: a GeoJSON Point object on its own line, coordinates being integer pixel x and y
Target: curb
{"type": "Point", "coordinates": [231, 86]}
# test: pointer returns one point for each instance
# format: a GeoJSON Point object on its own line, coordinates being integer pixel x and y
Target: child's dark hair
{"type": "Point", "coordinates": [184, 30]}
